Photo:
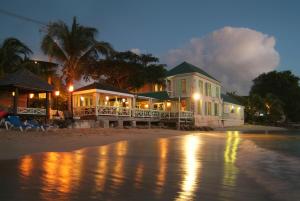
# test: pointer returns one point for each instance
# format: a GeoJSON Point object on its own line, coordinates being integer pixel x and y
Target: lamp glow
{"type": "Point", "coordinates": [13, 93]}
{"type": "Point", "coordinates": [123, 100]}
{"type": "Point", "coordinates": [57, 93]}
{"type": "Point", "coordinates": [81, 98]}
{"type": "Point", "coordinates": [168, 104]}
{"type": "Point", "coordinates": [71, 88]}
{"type": "Point", "coordinates": [106, 98]}
{"type": "Point", "coordinates": [31, 96]}
{"type": "Point", "coordinates": [196, 96]}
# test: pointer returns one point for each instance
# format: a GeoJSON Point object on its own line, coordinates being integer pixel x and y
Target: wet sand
{"type": "Point", "coordinates": [14, 144]}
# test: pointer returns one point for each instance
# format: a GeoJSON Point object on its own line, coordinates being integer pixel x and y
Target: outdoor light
{"type": "Point", "coordinates": [239, 108]}
{"type": "Point", "coordinates": [31, 96]}
{"type": "Point", "coordinates": [71, 88]}
{"type": "Point", "coordinates": [123, 100]}
{"type": "Point", "coordinates": [196, 96]}
{"type": "Point", "coordinates": [81, 98]}
{"type": "Point", "coordinates": [13, 93]}
{"type": "Point", "coordinates": [126, 102]}
{"type": "Point", "coordinates": [106, 98]}
{"type": "Point", "coordinates": [232, 107]}
{"type": "Point", "coordinates": [168, 104]}
{"type": "Point", "coordinates": [35, 62]}
{"type": "Point", "coordinates": [57, 93]}
{"type": "Point", "coordinates": [146, 106]}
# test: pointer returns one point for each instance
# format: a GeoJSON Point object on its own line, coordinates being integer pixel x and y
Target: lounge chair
{"type": "Point", "coordinates": [3, 114]}
{"type": "Point", "coordinates": [34, 124]}
{"type": "Point", "coordinates": [15, 122]}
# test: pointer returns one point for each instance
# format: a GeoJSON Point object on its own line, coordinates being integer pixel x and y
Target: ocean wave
{"type": "Point", "coordinates": [278, 173]}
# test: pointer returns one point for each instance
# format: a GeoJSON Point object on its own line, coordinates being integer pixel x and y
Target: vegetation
{"type": "Point", "coordinates": [283, 86]}
{"type": "Point", "coordinates": [128, 70]}
{"type": "Point", "coordinates": [74, 47]}
{"type": "Point", "coordinates": [12, 54]}
{"type": "Point", "coordinates": [273, 98]}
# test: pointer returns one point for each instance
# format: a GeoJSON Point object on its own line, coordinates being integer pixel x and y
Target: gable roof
{"type": "Point", "coordinates": [160, 95]}
{"type": "Point", "coordinates": [24, 79]}
{"type": "Point", "coordinates": [230, 99]}
{"type": "Point", "coordinates": [102, 86]}
{"type": "Point", "coordinates": [186, 67]}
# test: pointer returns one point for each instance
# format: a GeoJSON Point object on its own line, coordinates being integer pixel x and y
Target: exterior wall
{"type": "Point", "coordinates": [233, 114]}
{"type": "Point", "coordinates": [6, 99]}
{"type": "Point", "coordinates": [150, 88]}
{"type": "Point", "coordinates": [208, 108]}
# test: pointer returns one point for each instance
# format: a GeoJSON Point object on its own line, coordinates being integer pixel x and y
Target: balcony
{"type": "Point", "coordinates": [130, 113]}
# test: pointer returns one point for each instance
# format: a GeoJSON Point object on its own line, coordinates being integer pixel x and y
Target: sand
{"type": "Point", "coordinates": [14, 144]}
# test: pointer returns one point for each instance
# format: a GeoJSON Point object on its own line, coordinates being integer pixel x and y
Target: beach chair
{"type": "Point", "coordinates": [15, 122]}
{"type": "Point", "coordinates": [34, 124]}
{"type": "Point", "coordinates": [3, 114]}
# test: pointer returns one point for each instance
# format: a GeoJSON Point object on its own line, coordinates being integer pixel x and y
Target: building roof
{"type": "Point", "coordinates": [230, 99]}
{"type": "Point", "coordinates": [102, 86]}
{"type": "Point", "coordinates": [24, 79]}
{"type": "Point", "coordinates": [186, 67]}
{"type": "Point", "coordinates": [160, 95]}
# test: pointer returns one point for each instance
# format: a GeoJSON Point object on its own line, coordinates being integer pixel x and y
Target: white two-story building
{"type": "Point", "coordinates": [199, 92]}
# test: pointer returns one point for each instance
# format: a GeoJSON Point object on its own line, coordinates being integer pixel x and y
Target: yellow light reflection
{"type": "Point", "coordinates": [26, 165]}
{"type": "Point", "coordinates": [62, 171]}
{"type": "Point", "coordinates": [139, 173]}
{"type": "Point", "coordinates": [163, 145]}
{"type": "Point", "coordinates": [230, 156]}
{"type": "Point", "coordinates": [191, 167]}
{"type": "Point", "coordinates": [102, 168]}
{"type": "Point", "coordinates": [118, 170]}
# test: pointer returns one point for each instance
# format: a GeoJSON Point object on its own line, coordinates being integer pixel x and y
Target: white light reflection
{"type": "Point", "coordinates": [191, 168]}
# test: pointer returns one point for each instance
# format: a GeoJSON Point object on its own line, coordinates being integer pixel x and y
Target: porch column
{"type": "Point", "coordinates": [15, 101]}
{"type": "Point", "coordinates": [47, 106]}
{"type": "Point", "coordinates": [97, 103]}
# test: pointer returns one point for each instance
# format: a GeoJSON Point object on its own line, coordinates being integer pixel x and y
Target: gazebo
{"type": "Point", "coordinates": [24, 93]}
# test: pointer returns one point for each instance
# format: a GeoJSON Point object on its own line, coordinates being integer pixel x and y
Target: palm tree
{"type": "Point", "coordinates": [12, 53]}
{"type": "Point", "coordinates": [74, 47]}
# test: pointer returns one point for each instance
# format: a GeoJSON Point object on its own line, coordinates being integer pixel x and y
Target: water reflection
{"type": "Point", "coordinates": [163, 145]}
{"type": "Point", "coordinates": [230, 156]}
{"type": "Point", "coordinates": [118, 166]}
{"type": "Point", "coordinates": [138, 178]}
{"type": "Point", "coordinates": [61, 173]}
{"type": "Point", "coordinates": [102, 168]}
{"type": "Point", "coordinates": [191, 167]}
{"type": "Point", "coordinates": [26, 166]}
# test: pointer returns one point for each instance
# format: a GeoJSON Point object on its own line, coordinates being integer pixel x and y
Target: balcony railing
{"type": "Point", "coordinates": [31, 111]}
{"type": "Point", "coordinates": [129, 112]}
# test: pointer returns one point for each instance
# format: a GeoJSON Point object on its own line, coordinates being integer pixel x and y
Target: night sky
{"type": "Point", "coordinates": [162, 27]}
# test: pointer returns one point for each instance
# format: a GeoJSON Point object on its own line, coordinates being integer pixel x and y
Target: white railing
{"type": "Point", "coordinates": [176, 115]}
{"type": "Point", "coordinates": [113, 111]}
{"type": "Point", "coordinates": [129, 112]}
{"type": "Point", "coordinates": [84, 111]}
{"type": "Point", "coordinates": [32, 111]}
{"type": "Point", "coordinates": [144, 113]}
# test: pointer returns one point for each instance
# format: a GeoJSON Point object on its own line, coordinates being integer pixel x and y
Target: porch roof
{"type": "Point", "coordinates": [160, 95]}
{"type": "Point", "coordinates": [24, 79]}
{"type": "Point", "coordinates": [230, 99]}
{"type": "Point", "coordinates": [102, 86]}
